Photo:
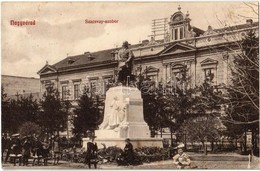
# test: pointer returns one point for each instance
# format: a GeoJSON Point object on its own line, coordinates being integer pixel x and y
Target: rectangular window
{"type": "Point", "coordinates": [76, 91]}
{"type": "Point", "coordinates": [181, 33]}
{"type": "Point", "coordinates": [176, 34]}
{"type": "Point", "coordinates": [152, 77]}
{"type": "Point", "coordinates": [93, 86]}
{"type": "Point", "coordinates": [64, 92]}
{"type": "Point", "coordinates": [172, 35]}
{"type": "Point", "coordinates": [209, 75]}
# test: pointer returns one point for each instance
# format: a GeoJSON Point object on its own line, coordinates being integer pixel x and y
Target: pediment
{"type": "Point", "coordinates": [47, 69]}
{"type": "Point", "coordinates": [209, 61]}
{"type": "Point", "coordinates": [178, 66]}
{"type": "Point", "coordinates": [178, 48]}
{"type": "Point", "coordinates": [151, 69]}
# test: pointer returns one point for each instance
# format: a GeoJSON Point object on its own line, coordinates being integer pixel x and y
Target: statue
{"type": "Point", "coordinates": [116, 115]}
{"type": "Point", "coordinates": [125, 64]}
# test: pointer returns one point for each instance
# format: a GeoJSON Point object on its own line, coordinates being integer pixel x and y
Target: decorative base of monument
{"type": "Point", "coordinates": [127, 130]}
{"type": "Point", "coordinates": [120, 142]}
{"type": "Point", "coordinates": [124, 118]}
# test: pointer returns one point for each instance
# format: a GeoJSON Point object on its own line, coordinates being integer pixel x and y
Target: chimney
{"type": "Point", "coordinates": [249, 21]}
{"type": "Point", "coordinates": [145, 42]}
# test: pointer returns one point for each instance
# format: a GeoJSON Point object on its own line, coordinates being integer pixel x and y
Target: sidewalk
{"type": "Point", "coordinates": [210, 161]}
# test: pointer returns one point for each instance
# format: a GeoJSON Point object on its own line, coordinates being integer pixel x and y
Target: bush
{"type": "Point", "coordinates": [112, 153]}
{"type": "Point", "coordinates": [151, 154]}
{"type": "Point", "coordinates": [109, 154]}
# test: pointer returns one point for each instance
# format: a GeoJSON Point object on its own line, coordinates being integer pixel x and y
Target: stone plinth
{"type": "Point", "coordinates": [129, 107]}
{"type": "Point", "coordinates": [124, 118]}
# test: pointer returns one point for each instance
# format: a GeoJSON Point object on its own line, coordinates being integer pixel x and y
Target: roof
{"type": "Point", "coordinates": [236, 27]}
{"type": "Point", "coordinates": [87, 59]}
{"type": "Point", "coordinates": [104, 56]}
{"type": "Point", "coordinates": [19, 77]}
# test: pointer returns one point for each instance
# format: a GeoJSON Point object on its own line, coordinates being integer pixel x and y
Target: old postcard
{"type": "Point", "coordinates": [130, 85]}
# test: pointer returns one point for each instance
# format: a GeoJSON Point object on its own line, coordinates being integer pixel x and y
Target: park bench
{"type": "Point", "coordinates": [14, 157]}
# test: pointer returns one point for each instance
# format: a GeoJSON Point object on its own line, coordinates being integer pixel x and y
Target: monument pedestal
{"type": "Point", "coordinates": [123, 118]}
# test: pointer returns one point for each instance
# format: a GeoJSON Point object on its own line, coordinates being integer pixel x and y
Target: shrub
{"type": "Point", "coordinates": [150, 154]}
{"type": "Point", "coordinates": [109, 154]}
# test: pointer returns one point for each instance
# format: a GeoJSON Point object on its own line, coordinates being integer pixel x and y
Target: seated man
{"type": "Point", "coordinates": [181, 160]}
{"type": "Point", "coordinates": [129, 152]}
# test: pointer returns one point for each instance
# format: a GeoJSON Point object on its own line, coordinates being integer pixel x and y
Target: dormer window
{"type": "Point", "coordinates": [89, 56]}
{"type": "Point", "coordinates": [179, 25]}
{"type": "Point", "coordinates": [71, 61]}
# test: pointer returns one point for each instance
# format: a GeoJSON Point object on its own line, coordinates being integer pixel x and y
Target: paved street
{"type": "Point", "coordinates": [216, 161]}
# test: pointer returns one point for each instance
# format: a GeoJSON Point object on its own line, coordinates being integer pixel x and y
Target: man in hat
{"type": "Point", "coordinates": [26, 150]}
{"type": "Point", "coordinates": [91, 154]}
{"type": "Point", "coordinates": [125, 64]}
{"type": "Point", "coordinates": [181, 160]}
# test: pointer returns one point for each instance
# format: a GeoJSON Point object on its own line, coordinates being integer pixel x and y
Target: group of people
{"type": "Point", "coordinates": [126, 158]}
{"type": "Point", "coordinates": [31, 147]}
{"type": "Point", "coordinates": [22, 149]}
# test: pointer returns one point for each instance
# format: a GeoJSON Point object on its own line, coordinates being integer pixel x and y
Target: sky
{"type": "Point", "coordinates": [61, 31]}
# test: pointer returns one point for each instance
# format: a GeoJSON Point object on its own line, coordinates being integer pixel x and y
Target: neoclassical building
{"type": "Point", "coordinates": [203, 53]}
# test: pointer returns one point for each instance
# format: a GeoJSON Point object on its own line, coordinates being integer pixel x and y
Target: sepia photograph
{"type": "Point", "coordinates": [130, 85]}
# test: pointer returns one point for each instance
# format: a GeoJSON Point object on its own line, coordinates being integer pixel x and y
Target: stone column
{"type": "Point", "coordinates": [168, 72]}
{"type": "Point", "coordinates": [193, 73]}
{"type": "Point", "coordinates": [225, 68]}
{"type": "Point", "coordinates": [164, 74]}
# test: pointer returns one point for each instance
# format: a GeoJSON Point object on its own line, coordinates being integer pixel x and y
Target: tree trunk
{"type": "Point", "coordinates": [206, 149]}
{"type": "Point", "coordinates": [203, 146]}
{"type": "Point", "coordinates": [245, 144]}
{"type": "Point", "coordinates": [212, 145]}
{"type": "Point", "coordinates": [171, 137]}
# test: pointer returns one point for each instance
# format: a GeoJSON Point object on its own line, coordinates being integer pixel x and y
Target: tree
{"type": "Point", "coordinates": [207, 105]}
{"type": "Point", "coordinates": [28, 108]}
{"type": "Point", "coordinates": [6, 115]}
{"type": "Point", "coordinates": [29, 128]}
{"type": "Point", "coordinates": [243, 94]}
{"type": "Point", "coordinates": [87, 114]}
{"type": "Point", "coordinates": [168, 106]}
{"type": "Point", "coordinates": [52, 118]}
{"type": "Point", "coordinates": [201, 129]}
{"type": "Point", "coordinates": [150, 104]}
{"type": "Point", "coordinates": [15, 112]}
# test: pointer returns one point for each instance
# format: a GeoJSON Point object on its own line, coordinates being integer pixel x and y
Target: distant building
{"type": "Point", "coordinates": [205, 54]}
{"type": "Point", "coordinates": [25, 86]}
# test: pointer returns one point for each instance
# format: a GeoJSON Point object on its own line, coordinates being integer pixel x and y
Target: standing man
{"type": "Point", "coordinates": [57, 150]}
{"type": "Point", "coordinates": [91, 155]}
{"type": "Point", "coordinates": [26, 151]}
{"type": "Point", "coordinates": [181, 160]}
{"type": "Point", "coordinates": [125, 64]}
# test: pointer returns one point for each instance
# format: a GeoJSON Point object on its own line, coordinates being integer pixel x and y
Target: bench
{"type": "Point", "coordinates": [13, 158]}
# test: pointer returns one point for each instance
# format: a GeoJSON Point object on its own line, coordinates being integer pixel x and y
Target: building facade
{"type": "Point", "coordinates": [202, 53]}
